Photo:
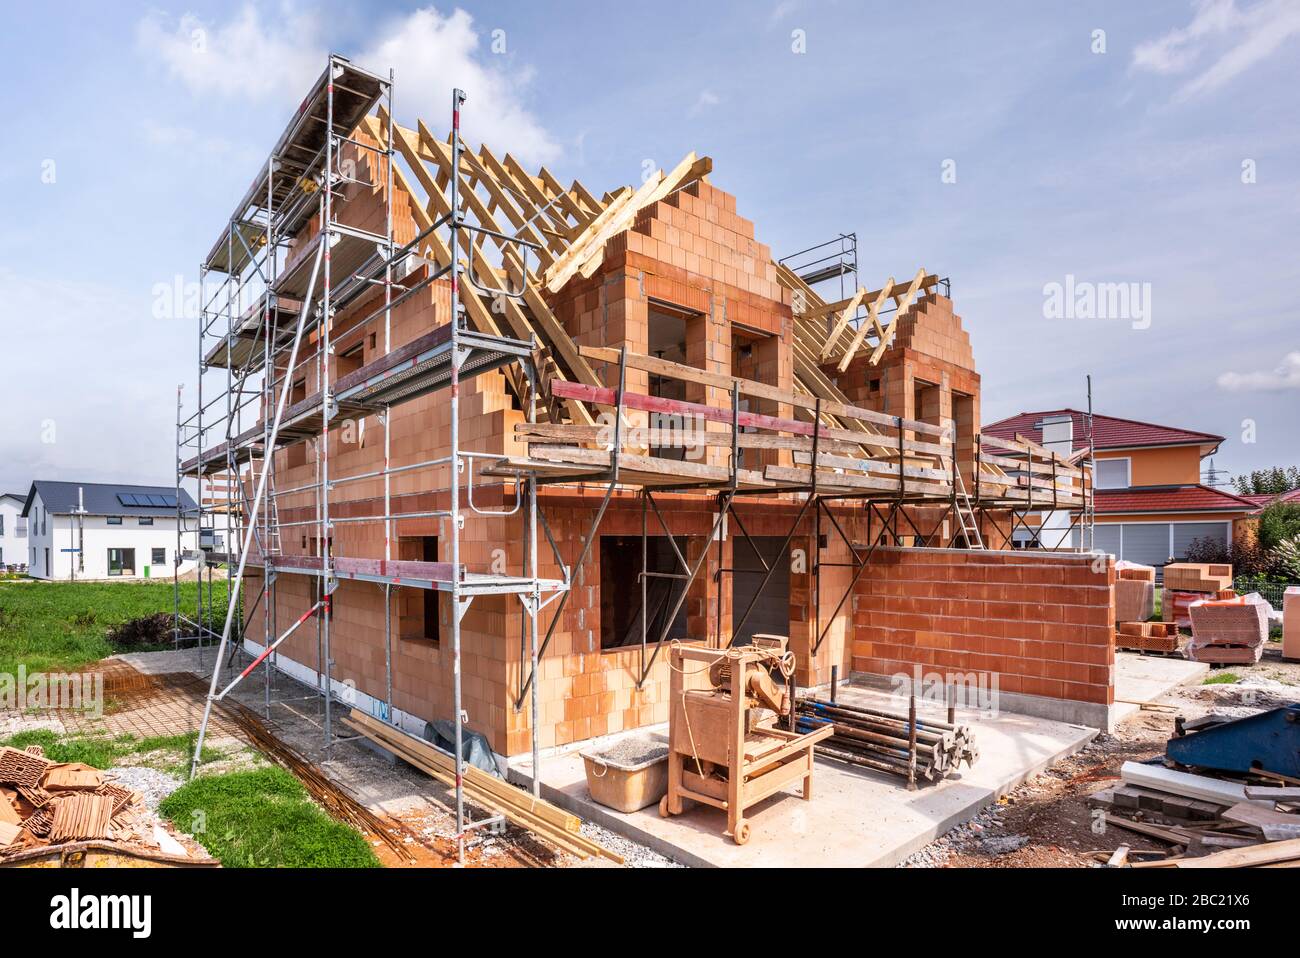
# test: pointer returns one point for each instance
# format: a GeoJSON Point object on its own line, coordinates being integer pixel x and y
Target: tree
{"type": "Point", "coordinates": [1277, 523]}
{"type": "Point", "coordinates": [1268, 482]}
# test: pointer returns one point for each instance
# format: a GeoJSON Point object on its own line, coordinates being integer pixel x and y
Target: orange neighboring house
{"type": "Point", "coordinates": [1150, 503]}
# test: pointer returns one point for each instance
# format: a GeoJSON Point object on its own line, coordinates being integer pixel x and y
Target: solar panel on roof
{"type": "Point", "coordinates": [127, 498]}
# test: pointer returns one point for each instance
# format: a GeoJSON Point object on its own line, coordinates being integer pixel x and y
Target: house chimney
{"type": "Point", "coordinates": [1058, 433]}
{"type": "Point", "coordinates": [81, 499]}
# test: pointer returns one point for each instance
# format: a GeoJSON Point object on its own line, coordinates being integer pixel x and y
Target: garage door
{"type": "Point", "coordinates": [771, 612]}
{"type": "Point", "coordinates": [1185, 533]}
{"type": "Point", "coordinates": [1146, 543]}
{"type": "Point", "coordinates": [1105, 538]}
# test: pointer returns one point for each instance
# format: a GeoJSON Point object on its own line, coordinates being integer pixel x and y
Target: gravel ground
{"type": "Point", "coordinates": [11, 723]}
{"type": "Point", "coordinates": [151, 783]}
{"type": "Point", "coordinates": [634, 855]}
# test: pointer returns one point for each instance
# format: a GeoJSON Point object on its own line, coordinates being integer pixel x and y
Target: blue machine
{"type": "Point", "coordinates": [1269, 741]}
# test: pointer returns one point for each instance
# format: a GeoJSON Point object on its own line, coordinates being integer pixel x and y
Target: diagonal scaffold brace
{"type": "Point", "coordinates": [236, 583]}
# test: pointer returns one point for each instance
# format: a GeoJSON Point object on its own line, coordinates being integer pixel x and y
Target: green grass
{"type": "Point", "coordinates": [61, 626]}
{"type": "Point", "coordinates": [1222, 678]}
{"type": "Point", "coordinates": [103, 751]}
{"type": "Point", "coordinates": [181, 748]}
{"type": "Point", "coordinates": [264, 818]}
{"type": "Point", "coordinates": [99, 751]}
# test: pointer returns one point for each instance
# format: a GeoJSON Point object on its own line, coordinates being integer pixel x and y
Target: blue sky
{"type": "Point", "coordinates": [1007, 146]}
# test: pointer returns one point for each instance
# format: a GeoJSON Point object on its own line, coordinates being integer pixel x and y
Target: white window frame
{"type": "Point", "coordinates": [1128, 471]}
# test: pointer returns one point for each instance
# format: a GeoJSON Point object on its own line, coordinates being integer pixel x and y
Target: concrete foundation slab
{"type": "Point", "coordinates": [1144, 678]}
{"type": "Point", "coordinates": [857, 817]}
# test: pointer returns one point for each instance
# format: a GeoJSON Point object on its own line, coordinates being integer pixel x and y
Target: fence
{"type": "Point", "coordinates": [1269, 589]}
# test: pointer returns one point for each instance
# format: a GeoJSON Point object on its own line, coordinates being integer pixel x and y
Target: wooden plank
{"type": "Point", "coordinates": [651, 465]}
{"type": "Point", "coordinates": [530, 816]}
{"type": "Point", "coordinates": [1275, 825]}
{"type": "Point", "coordinates": [1256, 855]}
{"type": "Point", "coordinates": [565, 432]}
{"type": "Point", "coordinates": [534, 813]}
{"type": "Point", "coordinates": [803, 477]}
{"type": "Point", "coordinates": [869, 465]}
{"type": "Point", "coordinates": [1170, 835]}
{"type": "Point", "coordinates": [749, 387]}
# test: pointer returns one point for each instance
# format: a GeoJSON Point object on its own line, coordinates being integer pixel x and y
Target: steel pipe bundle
{"type": "Point", "coordinates": [888, 741]}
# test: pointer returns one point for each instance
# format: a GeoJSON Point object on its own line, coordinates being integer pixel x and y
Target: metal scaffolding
{"type": "Point", "coordinates": [282, 286]}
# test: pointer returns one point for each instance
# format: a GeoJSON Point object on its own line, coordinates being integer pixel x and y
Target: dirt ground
{"type": "Point", "coordinates": [1047, 823]}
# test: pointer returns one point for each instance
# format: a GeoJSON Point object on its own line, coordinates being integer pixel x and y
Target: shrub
{"type": "Point", "coordinates": [1247, 558]}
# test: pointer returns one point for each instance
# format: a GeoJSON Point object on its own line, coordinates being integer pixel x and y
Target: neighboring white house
{"type": "Point", "coordinates": [13, 531]}
{"type": "Point", "coordinates": [88, 530]}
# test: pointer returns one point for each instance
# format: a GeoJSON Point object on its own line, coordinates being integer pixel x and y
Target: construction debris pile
{"type": "Point", "coordinates": [1226, 796]}
{"type": "Point", "coordinates": [45, 804]}
{"type": "Point", "coordinates": [883, 740]}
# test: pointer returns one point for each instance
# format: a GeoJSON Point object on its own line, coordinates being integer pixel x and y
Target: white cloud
{"type": "Point", "coordinates": [432, 53]}
{"type": "Point", "coordinates": [240, 58]}
{"type": "Point", "coordinates": [276, 58]}
{"type": "Point", "coordinates": [706, 100]}
{"type": "Point", "coordinates": [1238, 39]}
{"type": "Point", "coordinates": [1285, 376]}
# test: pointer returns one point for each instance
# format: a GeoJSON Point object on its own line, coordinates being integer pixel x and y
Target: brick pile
{"type": "Point", "coordinates": [50, 803]}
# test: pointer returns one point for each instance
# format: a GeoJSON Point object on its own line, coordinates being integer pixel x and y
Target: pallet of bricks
{"type": "Point", "coordinates": [1135, 604]}
{"type": "Point", "coordinates": [1147, 637]}
{"type": "Point", "coordinates": [1229, 630]}
{"type": "Point", "coordinates": [1188, 582]}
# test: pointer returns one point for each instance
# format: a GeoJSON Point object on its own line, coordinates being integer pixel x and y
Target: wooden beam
{"type": "Point", "coordinates": [842, 321]}
{"type": "Point", "coordinates": [887, 335]}
{"type": "Point", "coordinates": [749, 387]}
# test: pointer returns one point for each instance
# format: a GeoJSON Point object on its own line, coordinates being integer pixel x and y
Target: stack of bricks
{"type": "Point", "coordinates": [1228, 631]}
{"type": "Point", "coordinates": [1031, 624]}
{"type": "Point", "coordinates": [1147, 636]}
{"type": "Point", "coordinates": [1188, 582]}
{"type": "Point", "coordinates": [1135, 592]}
{"type": "Point", "coordinates": [1291, 624]}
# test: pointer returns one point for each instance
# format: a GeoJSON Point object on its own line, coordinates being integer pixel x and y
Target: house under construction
{"type": "Point", "coordinates": [479, 442]}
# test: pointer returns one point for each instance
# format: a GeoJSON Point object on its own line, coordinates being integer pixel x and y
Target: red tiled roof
{"type": "Point", "coordinates": [1170, 499]}
{"type": "Point", "coordinates": [1263, 501]}
{"type": "Point", "coordinates": [1108, 432]}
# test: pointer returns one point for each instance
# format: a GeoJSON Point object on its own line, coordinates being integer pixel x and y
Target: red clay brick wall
{"type": "Point", "coordinates": [1040, 623]}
